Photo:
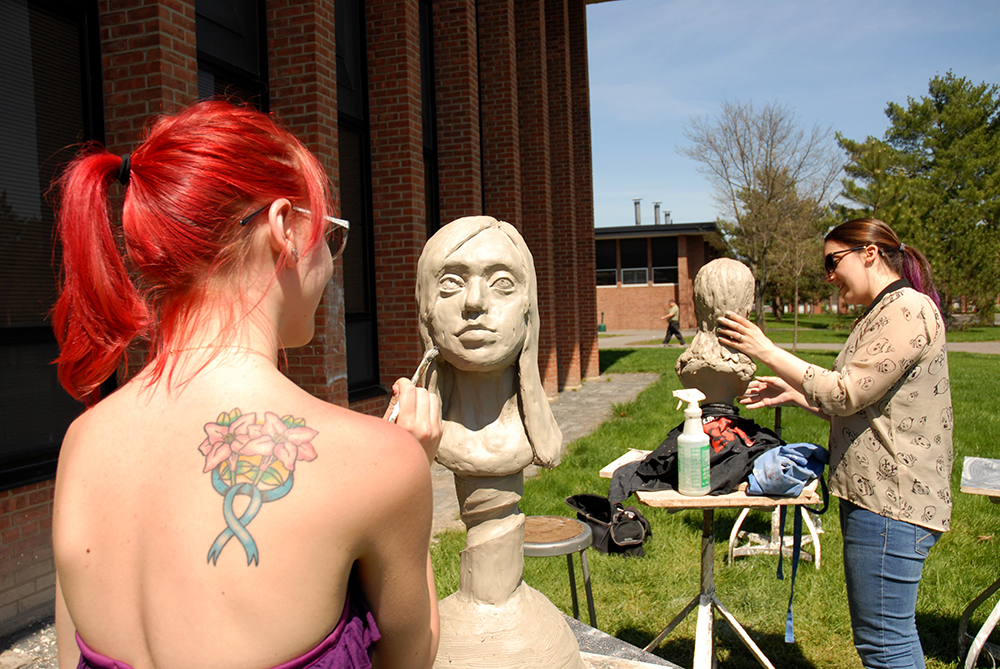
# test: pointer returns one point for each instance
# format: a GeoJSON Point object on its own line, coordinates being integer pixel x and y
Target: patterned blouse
{"type": "Point", "coordinates": [891, 416]}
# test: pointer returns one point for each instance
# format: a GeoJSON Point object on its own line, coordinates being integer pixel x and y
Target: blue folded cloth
{"type": "Point", "coordinates": [786, 469]}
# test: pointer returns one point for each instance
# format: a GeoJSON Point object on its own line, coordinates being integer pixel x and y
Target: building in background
{"type": "Point", "coordinates": [640, 268]}
{"type": "Point", "coordinates": [421, 113]}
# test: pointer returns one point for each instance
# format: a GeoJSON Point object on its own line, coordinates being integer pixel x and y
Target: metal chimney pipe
{"type": "Point", "coordinates": [638, 211]}
{"type": "Point", "coordinates": [656, 213]}
{"type": "Point", "coordinates": [666, 218]}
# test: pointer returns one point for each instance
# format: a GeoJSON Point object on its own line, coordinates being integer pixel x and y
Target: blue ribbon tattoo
{"type": "Point", "coordinates": [237, 527]}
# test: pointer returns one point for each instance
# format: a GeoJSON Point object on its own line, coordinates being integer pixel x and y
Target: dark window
{"type": "Point", "coordinates": [429, 117]}
{"type": "Point", "coordinates": [51, 87]}
{"type": "Point", "coordinates": [663, 252]}
{"type": "Point", "coordinates": [232, 51]}
{"type": "Point", "coordinates": [635, 264]}
{"type": "Point", "coordinates": [606, 262]}
{"type": "Point", "coordinates": [360, 311]}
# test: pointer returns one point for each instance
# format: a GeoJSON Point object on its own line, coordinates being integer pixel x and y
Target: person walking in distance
{"type": "Point", "coordinates": [673, 326]}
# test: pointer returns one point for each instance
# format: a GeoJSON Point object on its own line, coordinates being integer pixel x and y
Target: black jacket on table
{"type": "Point", "coordinates": [735, 442]}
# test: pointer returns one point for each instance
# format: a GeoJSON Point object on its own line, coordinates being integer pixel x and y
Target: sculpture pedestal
{"type": "Point", "coordinates": [526, 631]}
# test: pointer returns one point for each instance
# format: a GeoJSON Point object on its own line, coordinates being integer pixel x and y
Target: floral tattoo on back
{"type": "Point", "coordinates": [255, 460]}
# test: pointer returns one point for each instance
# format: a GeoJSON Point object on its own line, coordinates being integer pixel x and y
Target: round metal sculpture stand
{"type": "Point", "coordinates": [550, 536]}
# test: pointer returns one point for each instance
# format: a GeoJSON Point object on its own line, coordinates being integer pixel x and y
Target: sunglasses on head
{"type": "Point", "coordinates": [831, 260]}
{"type": "Point", "coordinates": [338, 228]}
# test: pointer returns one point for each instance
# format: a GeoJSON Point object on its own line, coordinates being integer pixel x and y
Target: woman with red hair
{"type": "Point", "coordinates": [209, 512]}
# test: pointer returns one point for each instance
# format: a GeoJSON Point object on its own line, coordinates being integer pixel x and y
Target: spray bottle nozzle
{"type": "Point", "coordinates": [690, 395]}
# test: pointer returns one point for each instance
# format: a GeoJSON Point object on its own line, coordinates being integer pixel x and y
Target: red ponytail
{"type": "Point", "coordinates": [99, 312]}
{"type": "Point", "coordinates": [190, 182]}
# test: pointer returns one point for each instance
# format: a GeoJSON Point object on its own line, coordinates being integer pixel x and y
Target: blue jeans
{"type": "Point", "coordinates": [883, 561]}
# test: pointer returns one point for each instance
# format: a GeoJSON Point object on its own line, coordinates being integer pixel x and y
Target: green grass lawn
{"type": "Point", "coordinates": [636, 597]}
{"type": "Point", "coordinates": [825, 329]}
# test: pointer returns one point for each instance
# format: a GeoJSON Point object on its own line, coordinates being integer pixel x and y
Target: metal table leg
{"type": "Point", "coordinates": [708, 603]}
{"type": "Point", "coordinates": [984, 632]}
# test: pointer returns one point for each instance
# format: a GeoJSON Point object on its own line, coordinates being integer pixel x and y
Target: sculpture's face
{"type": "Point", "coordinates": [479, 317]}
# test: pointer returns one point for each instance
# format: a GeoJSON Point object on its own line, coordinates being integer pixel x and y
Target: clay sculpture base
{"type": "Point", "coordinates": [476, 635]}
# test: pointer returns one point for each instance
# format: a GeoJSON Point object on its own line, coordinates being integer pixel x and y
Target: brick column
{"type": "Point", "coordinates": [399, 214]}
{"type": "Point", "coordinates": [586, 292]}
{"type": "Point", "coordinates": [502, 195]}
{"type": "Point", "coordinates": [303, 83]}
{"type": "Point", "coordinates": [536, 190]}
{"type": "Point", "coordinates": [460, 189]}
{"type": "Point", "coordinates": [685, 281]}
{"type": "Point", "coordinates": [564, 226]}
{"type": "Point", "coordinates": [150, 63]}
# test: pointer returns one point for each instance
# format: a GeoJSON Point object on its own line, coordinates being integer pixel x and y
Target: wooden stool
{"type": "Point", "coordinates": [546, 536]}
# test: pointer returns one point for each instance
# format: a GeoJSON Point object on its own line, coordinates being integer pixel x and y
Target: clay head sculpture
{"type": "Point", "coordinates": [477, 301]}
{"type": "Point", "coordinates": [718, 371]}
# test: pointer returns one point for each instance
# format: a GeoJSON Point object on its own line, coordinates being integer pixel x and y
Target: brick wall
{"type": "Point", "coordinates": [456, 42]}
{"type": "Point", "coordinates": [502, 184]}
{"type": "Point", "coordinates": [536, 185]}
{"type": "Point", "coordinates": [564, 224]}
{"type": "Point", "coordinates": [303, 86]}
{"type": "Point", "coordinates": [639, 307]}
{"type": "Point", "coordinates": [150, 65]}
{"type": "Point", "coordinates": [636, 307]}
{"type": "Point", "coordinates": [27, 567]}
{"type": "Point", "coordinates": [497, 65]}
{"type": "Point", "coordinates": [399, 213]}
{"type": "Point", "coordinates": [583, 190]}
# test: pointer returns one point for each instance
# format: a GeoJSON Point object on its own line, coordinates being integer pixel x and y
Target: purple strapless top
{"type": "Point", "coordinates": [345, 648]}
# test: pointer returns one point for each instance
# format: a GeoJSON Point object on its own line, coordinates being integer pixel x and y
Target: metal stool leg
{"type": "Point", "coordinates": [572, 586]}
{"type": "Point", "coordinates": [586, 586]}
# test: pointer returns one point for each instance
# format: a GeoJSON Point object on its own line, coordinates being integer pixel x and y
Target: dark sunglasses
{"type": "Point", "coordinates": [338, 228]}
{"type": "Point", "coordinates": [831, 260]}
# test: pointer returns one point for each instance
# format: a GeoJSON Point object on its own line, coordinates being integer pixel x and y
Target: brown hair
{"type": "Point", "coordinates": [903, 259]}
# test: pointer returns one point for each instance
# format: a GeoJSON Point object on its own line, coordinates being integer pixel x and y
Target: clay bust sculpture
{"type": "Point", "coordinates": [723, 374]}
{"type": "Point", "coordinates": [477, 302]}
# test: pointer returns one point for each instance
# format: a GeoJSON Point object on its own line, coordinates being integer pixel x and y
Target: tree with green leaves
{"type": "Point", "coordinates": [760, 161]}
{"type": "Point", "coordinates": [935, 177]}
{"type": "Point", "coordinates": [798, 252]}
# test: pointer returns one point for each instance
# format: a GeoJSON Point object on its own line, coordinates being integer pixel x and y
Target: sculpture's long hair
{"type": "Point", "coordinates": [720, 286]}
{"type": "Point", "coordinates": [539, 423]}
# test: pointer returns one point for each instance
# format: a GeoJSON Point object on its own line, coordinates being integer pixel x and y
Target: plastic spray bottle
{"type": "Point", "coordinates": [693, 477]}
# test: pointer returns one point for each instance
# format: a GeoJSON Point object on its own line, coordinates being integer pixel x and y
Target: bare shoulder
{"type": "Point", "coordinates": [367, 453]}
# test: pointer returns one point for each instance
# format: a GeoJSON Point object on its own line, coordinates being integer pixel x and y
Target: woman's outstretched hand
{"type": "Point", "coordinates": [770, 391]}
{"type": "Point", "coordinates": [419, 413]}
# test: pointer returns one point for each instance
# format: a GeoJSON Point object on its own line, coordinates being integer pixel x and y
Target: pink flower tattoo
{"type": "Point", "coordinates": [226, 438]}
{"type": "Point", "coordinates": [255, 460]}
{"type": "Point", "coordinates": [287, 442]}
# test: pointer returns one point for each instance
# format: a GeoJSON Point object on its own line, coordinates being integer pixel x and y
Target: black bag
{"type": "Point", "coordinates": [616, 529]}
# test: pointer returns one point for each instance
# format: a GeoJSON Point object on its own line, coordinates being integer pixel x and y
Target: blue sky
{"type": "Point", "coordinates": [654, 64]}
